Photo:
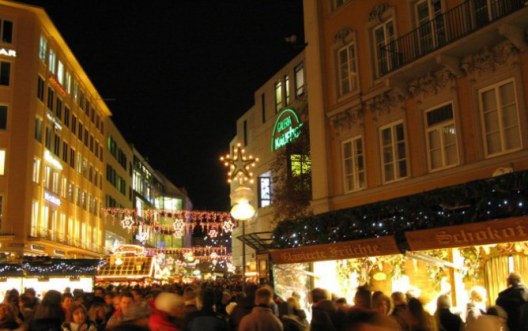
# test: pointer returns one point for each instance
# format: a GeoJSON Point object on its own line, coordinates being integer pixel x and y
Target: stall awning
{"type": "Point", "coordinates": [259, 241]}
{"type": "Point", "coordinates": [51, 267]}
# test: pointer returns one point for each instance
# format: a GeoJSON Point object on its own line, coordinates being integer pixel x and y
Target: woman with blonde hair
{"type": "Point", "coordinates": [79, 320]}
{"type": "Point", "coordinates": [97, 314]}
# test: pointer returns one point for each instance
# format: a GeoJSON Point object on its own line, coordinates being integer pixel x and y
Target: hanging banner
{"type": "Point", "coordinates": [338, 251]}
{"type": "Point", "coordinates": [482, 233]}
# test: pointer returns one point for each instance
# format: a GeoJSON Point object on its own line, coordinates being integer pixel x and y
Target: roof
{"type": "Point", "coordinates": [131, 267]}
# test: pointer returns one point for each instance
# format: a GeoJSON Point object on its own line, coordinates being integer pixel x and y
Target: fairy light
{"type": "Point", "coordinates": [239, 165]}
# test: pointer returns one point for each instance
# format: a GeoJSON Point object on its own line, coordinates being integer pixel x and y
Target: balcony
{"type": "Point", "coordinates": [440, 36]}
{"type": "Point", "coordinates": [62, 238]}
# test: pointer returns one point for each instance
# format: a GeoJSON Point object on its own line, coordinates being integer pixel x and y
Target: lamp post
{"type": "Point", "coordinates": [242, 211]}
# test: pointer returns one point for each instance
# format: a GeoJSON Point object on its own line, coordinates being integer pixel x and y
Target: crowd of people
{"type": "Point", "coordinates": [227, 307]}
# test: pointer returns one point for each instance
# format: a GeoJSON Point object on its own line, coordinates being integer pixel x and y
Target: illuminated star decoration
{"type": "Point", "coordinates": [239, 165]}
{"type": "Point", "coordinates": [127, 222]}
{"type": "Point", "coordinates": [213, 233]}
{"type": "Point", "coordinates": [228, 226]}
{"type": "Point", "coordinates": [178, 227]}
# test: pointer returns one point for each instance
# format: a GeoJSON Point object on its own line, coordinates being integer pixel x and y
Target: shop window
{"type": "Point", "coordinates": [394, 152]}
{"type": "Point", "coordinates": [441, 137]}
{"type": "Point", "coordinates": [264, 189]}
{"type": "Point", "coordinates": [385, 56]}
{"type": "Point", "coordinates": [500, 118]}
{"type": "Point", "coordinates": [299, 80]}
{"type": "Point", "coordinates": [6, 31]}
{"type": "Point", "coordinates": [5, 73]}
{"type": "Point", "coordinates": [353, 164]}
{"type": "Point", "coordinates": [347, 69]}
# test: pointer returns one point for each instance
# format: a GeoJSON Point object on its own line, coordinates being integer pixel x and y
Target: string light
{"type": "Point", "coordinates": [239, 165]}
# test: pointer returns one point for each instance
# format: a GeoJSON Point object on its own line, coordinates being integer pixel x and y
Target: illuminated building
{"type": "Point", "coordinates": [52, 138]}
{"type": "Point", "coordinates": [269, 129]}
{"type": "Point", "coordinates": [418, 129]}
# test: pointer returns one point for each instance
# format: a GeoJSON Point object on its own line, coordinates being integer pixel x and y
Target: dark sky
{"type": "Point", "coordinates": [178, 73]}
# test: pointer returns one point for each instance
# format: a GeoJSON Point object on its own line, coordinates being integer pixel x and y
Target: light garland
{"type": "Point", "coordinates": [228, 226]}
{"type": "Point", "coordinates": [239, 165]}
{"type": "Point", "coordinates": [213, 233]}
{"type": "Point", "coordinates": [179, 227]}
{"type": "Point", "coordinates": [127, 222]}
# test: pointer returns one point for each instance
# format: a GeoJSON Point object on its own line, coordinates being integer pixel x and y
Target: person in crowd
{"type": "Point", "coordinates": [245, 304]}
{"type": "Point", "coordinates": [66, 304]}
{"type": "Point", "coordinates": [12, 298]}
{"type": "Point", "coordinates": [324, 311]}
{"type": "Point", "coordinates": [167, 312]}
{"type": "Point", "coordinates": [97, 315]}
{"type": "Point", "coordinates": [514, 300]}
{"type": "Point", "coordinates": [261, 316]}
{"type": "Point", "coordinates": [381, 303]}
{"type": "Point", "coordinates": [400, 312]}
{"type": "Point", "coordinates": [32, 295]}
{"type": "Point", "coordinates": [342, 304]}
{"type": "Point", "coordinates": [290, 320]}
{"type": "Point", "coordinates": [293, 302]}
{"type": "Point", "coordinates": [8, 320]}
{"type": "Point", "coordinates": [206, 319]}
{"type": "Point", "coordinates": [368, 320]}
{"type": "Point", "coordinates": [128, 312]}
{"type": "Point", "coordinates": [189, 296]}
{"type": "Point", "coordinates": [476, 308]}
{"type": "Point", "coordinates": [49, 315]}
{"type": "Point", "coordinates": [362, 298]}
{"type": "Point", "coordinates": [27, 308]}
{"type": "Point", "coordinates": [445, 319]}
{"type": "Point", "coordinates": [420, 319]}
{"type": "Point", "coordinates": [497, 317]}
{"type": "Point", "coordinates": [79, 321]}
{"type": "Point", "coordinates": [109, 305]}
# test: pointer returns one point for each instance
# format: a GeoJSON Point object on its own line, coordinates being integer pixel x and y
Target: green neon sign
{"type": "Point", "coordinates": [287, 128]}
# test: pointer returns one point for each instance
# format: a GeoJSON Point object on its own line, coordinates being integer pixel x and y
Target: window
{"type": "Point", "coordinates": [299, 80]}
{"type": "Point", "coordinates": [72, 158]}
{"type": "Point", "coordinates": [48, 138]}
{"type": "Point", "coordinates": [347, 67]}
{"type": "Point", "coordinates": [51, 98]}
{"type": "Point", "coordinates": [264, 189]}
{"type": "Point", "coordinates": [66, 119]}
{"type": "Point", "coordinates": [40, 89]}
{"type": "Point", "coordinates": [67, 81]}
{"type": "Point", "coordinates": [353, 164]}
{"type": "Point", "coordinates": [394, 155]}
{"type": "Point", "coordinates": [2, 161]}
{"type": "Point", "coordinates": [441, 137]}
{"type": "Point", "coordinates": [430, 22]}
{"type": "Point", "coordinates": [47, 177]}
{"type": "Point", "coordinates": [36, 171]}
{"type": "Point", "coordinates": [55, 183]}
{"type": "Point", "coordinates": [263, 105]}
{"type": "Point", "coordinates": [287, 89]}
{"type": "Point", "coordinates": [3, 117]}
{"type": "Point", "coordinates": [43, 48]}
{"type": "Point", "coordinates": [385, 55]}
{"type": "Point", "coordinates": [65, 151]}
{"type": "Point", "coordinates": [38, 129]}
{"type": "Point", "coordinates": [80, 131]}
{"type": "Point", "coordinates": [60, 72]}
{"type": "Point", "coordinates": [5, 73]}
{"type": "Point", "coordinates": [500, 118]}
{"type": "Point", "coordinates": [57, 145]}
{"type": "Point", "coordinates": [58, 109]}
{"type": "Point", "coordinates": [74, 124]}
{"type": "Point", "coordinates": [6, 31]}
{"type": "Point", "coordinates": [278, 96]}
{"type": "Point", "coordinates": [300, 170]}
{"type": "Point", "coordinates": [52, 62]}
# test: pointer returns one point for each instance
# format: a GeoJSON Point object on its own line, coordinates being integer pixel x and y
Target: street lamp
{"type": "Point", "coordinates": [242, 211]}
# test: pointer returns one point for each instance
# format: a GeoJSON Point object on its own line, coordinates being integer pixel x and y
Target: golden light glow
{"type": "Point", "coordinates": [239, 165]}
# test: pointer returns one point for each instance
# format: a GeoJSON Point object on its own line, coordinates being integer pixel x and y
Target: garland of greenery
{"type": "Point", "coordinates": [476, 201]}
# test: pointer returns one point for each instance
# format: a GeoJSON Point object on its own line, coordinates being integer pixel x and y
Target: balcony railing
{"type": "Point", "coordinates": [444, 29]}
{"type": "Point", "coordinates": [60, 237]}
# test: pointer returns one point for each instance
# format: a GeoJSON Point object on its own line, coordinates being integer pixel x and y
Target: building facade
{"type": "Point", "coordinates": [266, 131]}
{"type": "Point", "coordinates": [52, 141]}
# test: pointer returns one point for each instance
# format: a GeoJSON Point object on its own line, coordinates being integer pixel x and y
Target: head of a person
{"type": "Point", "coordinates": [497, 311]}
{"type": "Point", "coordinates": [67, 301]}
{"type": "Point", "coordinates": [341, 303]}
{"type": "Point", "coordinates": [6, 312]}
{"type": "Point", "coordinates": [109, 299]}
{"type": "Point", "coordinates": [382, 304]}
{"type": "Point", "coordinates": [97, 312]}
{"type": "Point", "coordinates": [170, 303]}
{"type": "Point", "coordinates": [319, 294]}
{"type": "Point", "coordinates": [264, 295]}
{"type": "Point", "coordinates": [362, 298]}
{"type": "Point", "coordinates": [399, 299]}
{"type": "Point", "coordinates": [99, 292]}
{"type": "Point", "coordinates": [293, 303]}
{"type": "Point", "coordinates": [415, 307]}
{"type": "Point", "coordinates": [12, 296]}
{"type": "Point", "coordinates": [514, 279]}
{"type": "Point", "coordinates": [207, 299]}
{"type": "Point", "coordinates": [30, 292]}
{"type": "Point", "coordinates": [137, 294]}
{"type": "Point", "coordinates": [368, 320]}
{"type": "Point", "coordinates": [189, 295]}
{"type": "Point", "coordinates": [126, 301]}
{"type": "Point", "coordinates": [443, 302]}
{"type": "Point", "coordinates": [477, 294]}
{"type": "Point", "coordinates": [116, 301]}
{"type": "Point", "coordinates": [50, 306]}
{"type": "Point", "coordinates": [78, 314]}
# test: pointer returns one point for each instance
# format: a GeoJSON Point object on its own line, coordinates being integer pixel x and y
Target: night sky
{"type": "Point", "coordinates": [177, 74]}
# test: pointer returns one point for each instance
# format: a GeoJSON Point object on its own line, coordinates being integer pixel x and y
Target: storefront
{"type": "Point", "coordinates": [446, 260]}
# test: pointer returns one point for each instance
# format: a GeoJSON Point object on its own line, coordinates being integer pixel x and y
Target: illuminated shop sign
{"type": "Point", "coordinates": [38, 248]}
{"type": "Point", "coordinates": [52, 160]}
{"type": "Point", "coordinates": [7, 52]}
{"type": "Point", "coordinates": [52, 198]}
{"type": "Point", "coordinates": [287, 128]}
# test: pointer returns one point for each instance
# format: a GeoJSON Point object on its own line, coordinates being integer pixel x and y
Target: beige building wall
{"type": "Point", "coordinates": [51, 195]}
{"type": "Point", "coordinates": [491, 60]}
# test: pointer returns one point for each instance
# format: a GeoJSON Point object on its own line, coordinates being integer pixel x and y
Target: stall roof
{"type": "Point", "coordinates": [130, 267]}
{"type": "Point", "coordinates": [50, 267]}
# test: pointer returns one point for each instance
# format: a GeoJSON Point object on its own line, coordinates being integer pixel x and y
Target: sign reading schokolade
{"type": "Point", "coordinates": [287, 128]}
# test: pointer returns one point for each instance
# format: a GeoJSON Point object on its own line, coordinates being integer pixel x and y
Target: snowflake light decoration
{"type": "Point", "coordinates": [189, 256]}
{"type": "Point", "coordinates": [228, 226]}
{"type": "Point", "coordinates": [127, 222]}
{"type": "Point", "coordinates": [214, 256]}
{"type": "Point", "coordinates": [170, 260]}
{"type": "Point", "coordinates": [178, 226]}
{"type": "Point", "coordinates": [231, 267]}
{"type": "Point", "coordinates": [213, 233]}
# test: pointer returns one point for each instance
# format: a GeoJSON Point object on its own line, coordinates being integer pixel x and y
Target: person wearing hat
{"type": "Point", "coordinates": [514, 300]}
